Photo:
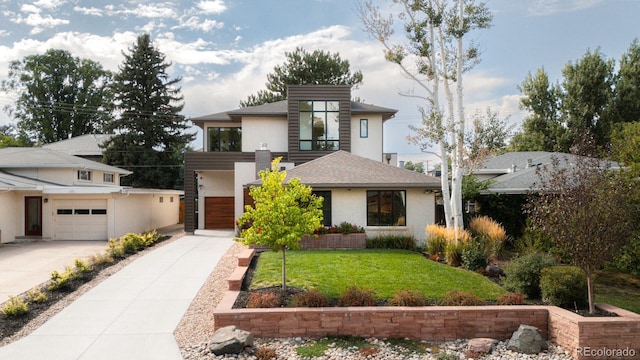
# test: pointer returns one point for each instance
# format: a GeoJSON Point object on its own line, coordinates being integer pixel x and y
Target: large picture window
{"type": "Point", "coordinates": [225, 139]}
{"type": "Point", "coordinates": [386, 208]}
{"type": "Point", "coordinates": [319, 125]}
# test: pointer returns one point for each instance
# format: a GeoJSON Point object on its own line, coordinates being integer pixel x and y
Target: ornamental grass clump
{"type": "Point", "coordinates": [490, 234]}
{"type": "Point", "coordinates": [446, 243]}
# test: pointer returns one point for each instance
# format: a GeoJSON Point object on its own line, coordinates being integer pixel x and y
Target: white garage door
{"type": "Point", "coordinates": [80, 219]}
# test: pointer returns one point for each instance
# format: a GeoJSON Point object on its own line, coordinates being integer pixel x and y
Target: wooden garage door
{"type": "Point", "coordinates": [219, 212]}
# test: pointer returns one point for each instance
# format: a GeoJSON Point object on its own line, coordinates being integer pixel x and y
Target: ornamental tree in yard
{"type": "Point", "coordinates": [588, 209]}
{"type": "Point", "coordinates": [281, 215]}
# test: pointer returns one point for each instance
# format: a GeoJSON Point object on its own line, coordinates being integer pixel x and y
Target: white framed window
{"type": "Point", "coordinates": [364, 128]}
{"type": "Point", "coordinates": [161, 199]}
{"type": "Point", "coordinates": [108, 178]}
{"type": "Point", "coordinates": [84, 175]}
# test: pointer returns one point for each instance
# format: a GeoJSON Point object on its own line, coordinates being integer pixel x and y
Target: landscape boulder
{"type": "Point", "coordinates": [230, 340]}
{"type": "Point", "coordinates": [481, 346]}
{"type": "Point", "coordinates": [527, 340]}
{"type": "Point", "coordinates": [494, 271]}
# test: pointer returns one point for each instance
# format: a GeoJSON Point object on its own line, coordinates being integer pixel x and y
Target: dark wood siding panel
{"type": "Point", "coordinates": [296, 93]}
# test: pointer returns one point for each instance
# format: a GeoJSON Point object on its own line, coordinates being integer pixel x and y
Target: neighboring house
{"type": "Point", "coordinates": [48, 194]}
{"type": "Point", "coordinates": [85, 146]}
{"type": "Point", "coordinates": [514, 173]}
{"type": "Point", "coordinates": [330, 142]}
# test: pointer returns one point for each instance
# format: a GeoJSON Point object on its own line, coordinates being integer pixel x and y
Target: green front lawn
{"type": "Point", "coordinates": [384, 271]}
{"type": "Point", "coordinates": [618, 289]}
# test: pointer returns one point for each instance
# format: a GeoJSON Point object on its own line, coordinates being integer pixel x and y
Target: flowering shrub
{"type": "Point", "coordinates": [343, 228]}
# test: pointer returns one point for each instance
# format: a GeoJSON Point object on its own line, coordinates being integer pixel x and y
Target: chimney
{"type": "Point", "coordinates": [263, 159]}
{"type": "Point", "coordinates": [401, 164]}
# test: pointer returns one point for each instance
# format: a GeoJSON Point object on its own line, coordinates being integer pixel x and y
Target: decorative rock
{"type": "Point", "coordinates": [494, 271]}
{"type": "Point", "coordinates": [482, 345]}
{"type": "Point", "coordinates": [527, 340]}
{"type": "Point", "coordinates": [230, 340]}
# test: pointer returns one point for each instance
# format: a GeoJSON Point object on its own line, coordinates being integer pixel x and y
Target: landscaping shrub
{"type": "Point", "coordinates": [628, 261]}
{"type": "Point", "coordinates": [60, 281]}
{"type": "Point", "coordinates": [114, 248]}
{"type": "Point", "coordinates": [533, 240]}
{"type": "Point", "coordinates": [490, 234]}
{"type": "Point", "coordinates": [343, 228]}
{"type": "Point", "coordinates": [101, 258]}
{"type": "Point", "coordinates": [263, 300]}
{"type": "Point", "coordinates": [355, 296]}
{"type": "Point", "coordinates": [265, 354]}
{"type": "Point", "coordinates": [131, 243]}
{"type": "Point", "coordinates": [460, 298]}
{"type": "Point", "coordinates": [392, 241]}
{"type": "Point", "coordinates": [409, 298]}
{"type": "Point", "coordinates": [150, 237]}
{"type": "Point", "coordinates": [81, 266]}
{"type": "Point", "coordinates": [15, 306]}
{"type": "Point", "coordinates": [473, 256]}
{"type": "Point", "coordinates": [564, 286]}
{"type": "Point", "coordinates": [438, 237]}
{"type": "Point", "coordinates": [511, 299]}
{"type": "Point", "coordinates": [453, 253]}
{"type": "Point", "coordinates": [311, 298]}
{"type": "Point", "coordinates": [35, 295]}
{"type": "Point", "coordinates": [522, 274]}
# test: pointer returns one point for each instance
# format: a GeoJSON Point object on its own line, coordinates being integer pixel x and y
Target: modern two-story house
{"type": "Point", "coordinates": [331, 143]}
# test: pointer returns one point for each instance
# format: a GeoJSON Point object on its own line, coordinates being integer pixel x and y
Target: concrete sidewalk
{"type": "Point", "coordinates": [131, 315]}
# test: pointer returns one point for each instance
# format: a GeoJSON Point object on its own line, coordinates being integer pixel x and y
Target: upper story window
{"type": "Point", "coordinates": [319, 125]}
{"type": "Point", "coordinates": [225, 139]}
{"type": "Point", "coordinates": [108, 178]}
{"type": "Point", "coordinates": [84, 175]}
{"type": "Point", "coordinates": [364, 128]}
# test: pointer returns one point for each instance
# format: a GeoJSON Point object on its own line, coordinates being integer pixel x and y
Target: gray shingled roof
{"type": "Point", "coordinates": [341, 169]}
{"type": "Point", "coordinates": [84, 145]}
{"type": "Point", "coordinates": [29, 157]}
{"type": "Point", "coordinates": [516, 171]}
{"type": "Point", "coordinates": [281, 108]}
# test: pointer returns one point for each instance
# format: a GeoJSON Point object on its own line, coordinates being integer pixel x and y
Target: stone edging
{"type": "Point", "coordinates": [584, 336]}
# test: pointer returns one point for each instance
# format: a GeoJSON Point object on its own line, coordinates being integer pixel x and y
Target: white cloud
{"type": "Point", "coordinates": [194, 23]}
{"type": "Point", "coordinates": [39, 23]}
{"type": "Point", "coordinates": [550, 7]}
{"type": "Point", "coordinates": [49, 4]}
{"type": "Point", "coordinates": [212, 7]}
{"type": "Point", "coordinates": [88, 11]}
{"type": "Point", "coordinates": [28, 8]}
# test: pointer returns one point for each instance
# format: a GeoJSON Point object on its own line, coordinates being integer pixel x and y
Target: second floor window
{"type": "Point", "coordinates": [319, 125]}
{"type": "Point", "coordinates": [225, 139]}
{"type": "Point", "coordinates": [108, 177]}
{"type": "Point", "coordinates": [84, 175]}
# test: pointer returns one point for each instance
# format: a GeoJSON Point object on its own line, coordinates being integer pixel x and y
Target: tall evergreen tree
{"type": "Point", "coordinates": [58, 96]}
{"type": "Point", "coordinates": [150, 135]}
{"type": "Point", "coordinates": [627, 89]}
{"type": "Point", "coordinates": [318, 68]}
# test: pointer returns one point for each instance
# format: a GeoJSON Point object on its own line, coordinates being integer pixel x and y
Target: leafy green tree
{"type": "Point", "coordinates": [417, 167]}
{"type": "Point", "coordinates": [543, 130]}
{"type": "Point", "coordinates": [627, 89]}
{"type": "Point", "coordinates": [435, 54]}
{"type": "Point", "coordinates": [588, 97]}
{"type": "Point", "coordinates": [58, 95]}
{"type": "Point", "coordinates": [9, 137]}
{"type": "Point", "coordinates": [281, 214]}
{"type": "Point", "coordinates": [302, 67]}
{"type": "Point", "coordinates": [488, 137]}
{"type": "Point", "coordinates": [625, 141]}
{"type": "Point", "coordinates": [584, 205]}
{"type": "Point", "coordinates": [150, 134]}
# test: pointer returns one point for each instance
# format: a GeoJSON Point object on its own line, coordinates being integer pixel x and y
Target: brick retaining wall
{"type": "Point", "coordinates": [440, 323]}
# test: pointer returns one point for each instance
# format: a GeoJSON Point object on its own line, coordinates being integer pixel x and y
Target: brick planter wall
{"type": "Point", "coordinates": [335, 241]}
{"type": "Point", "coordinates": [573, 332]}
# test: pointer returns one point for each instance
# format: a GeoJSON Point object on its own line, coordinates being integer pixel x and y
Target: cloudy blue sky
{"type": "Point", "coordinates": [223, 49]}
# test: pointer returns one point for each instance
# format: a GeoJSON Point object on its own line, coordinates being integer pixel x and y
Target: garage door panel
{"type": "Point", "coordinates": [219, 212]}
{"type": "Point", "coordinates": [80, 220]}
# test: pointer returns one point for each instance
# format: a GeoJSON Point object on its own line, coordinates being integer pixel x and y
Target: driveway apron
{"type": "Point", "coordinates": [132, 314]}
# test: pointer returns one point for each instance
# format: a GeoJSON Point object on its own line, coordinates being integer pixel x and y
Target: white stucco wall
{"type": "Point", "coordinates": [140, 212]}
{"type": "Point", "coordinates": [272, 131]}
{"type": "Point", "coordinates": [371, 146]}
{"type": "Point", "coordinates": [11, 218]}
{"type": "Point", "coordinates": [351, 206]}
{"type": "Point", "coordinates": [244, 173]}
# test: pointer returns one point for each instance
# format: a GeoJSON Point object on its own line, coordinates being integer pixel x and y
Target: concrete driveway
{"type": "Point", "coordinates": [25, 265]}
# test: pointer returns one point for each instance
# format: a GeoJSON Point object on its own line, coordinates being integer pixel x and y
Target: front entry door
{"type": "Point", "coordinates": [33, 215]}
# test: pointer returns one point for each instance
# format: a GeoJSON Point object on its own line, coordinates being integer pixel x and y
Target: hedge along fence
{"type": "Point", "coordinates": [584, 336]}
